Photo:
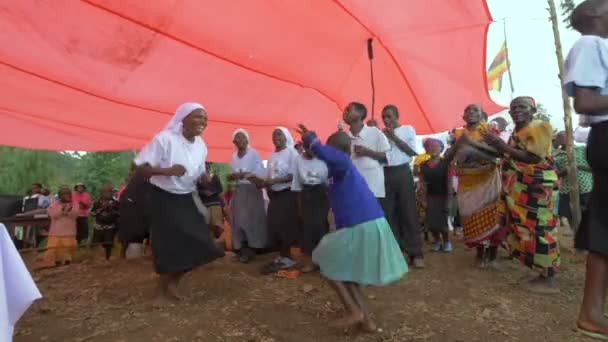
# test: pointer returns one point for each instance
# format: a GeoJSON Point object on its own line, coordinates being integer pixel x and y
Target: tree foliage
{"type": "Point", "coordinates": [567, 6]}
{"type": "Point", "coordinates": [542, 113]}
{"type": "Point", "coordinates": [19, 168]}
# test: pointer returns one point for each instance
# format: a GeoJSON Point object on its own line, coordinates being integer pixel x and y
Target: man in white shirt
{"type": "Point", "coordinates": [400, 201]}
{"type": "Point", "coordinates": [369, 147]}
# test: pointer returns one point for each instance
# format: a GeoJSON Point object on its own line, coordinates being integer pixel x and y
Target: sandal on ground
{"type": "Point", "coordinates": [598, 335]}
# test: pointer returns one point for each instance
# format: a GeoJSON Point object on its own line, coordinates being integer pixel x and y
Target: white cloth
{"type": "Point", "coordinates": [242, 131]}
{"type": "Point", "coordinates": [17, 288]}
{"type": "Point", "coordinates": [290, 142]}
{"type": "Point", "coordinates": [581, 134]}
{"type": "Point", "coordinates": [281, 164]}
{"type": "Point", "coordinates": [395, 156]}
{"type": "Point", "coordinates": [587, 66]}
{"type": "Point", "coordinates": [169, 148]}
{"type": "Point", "coordinates": [250, 163]}
{"type": "Point", "coordinates": [308, 172]}
{"type": "Point", "coordinates": [371, 169]}
{"type": "Point", "coordinates": [175, 125]}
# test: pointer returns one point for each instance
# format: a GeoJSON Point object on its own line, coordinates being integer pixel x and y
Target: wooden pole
{"type": "Point", "coordinates": [575, 206]}
{"type": "Point", "coordinates": [504, 27]}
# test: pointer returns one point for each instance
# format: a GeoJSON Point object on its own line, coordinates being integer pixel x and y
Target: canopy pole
{"type": "Point", "coordinates": [575, 206]}
{"type": "Point", "coordinates": [370, 56]}
{"type": "Point", "coordinates": [504, 26]}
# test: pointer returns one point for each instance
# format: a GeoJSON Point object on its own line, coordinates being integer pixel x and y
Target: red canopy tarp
{"type": "Point", "coordinates": [98, 75]}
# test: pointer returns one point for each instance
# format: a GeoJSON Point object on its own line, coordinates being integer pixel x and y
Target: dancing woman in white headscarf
{"type": "Point", "coordinates": [282, 216]}
{"type": "Point", "coordinates": [174, 161]}
{"type": "Point", "coordinates": [247, 208]}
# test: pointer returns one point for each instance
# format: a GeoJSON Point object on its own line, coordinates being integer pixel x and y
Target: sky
{"type": "Point", "coordinates": [531, 52]}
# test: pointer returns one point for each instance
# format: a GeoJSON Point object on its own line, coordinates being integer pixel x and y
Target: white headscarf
{"type": "Point", "coordinates": [289, 139]}
{"type": "Point", "coordinates": [243, 132]}
{"type": "Point", "coordinates": [175, 125]}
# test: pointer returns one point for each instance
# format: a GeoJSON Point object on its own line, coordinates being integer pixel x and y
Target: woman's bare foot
{"type": "Point", "coordinates": [480, 263]}
{"type": "Point", "coordinates": [368, 325]}
{"type": "Point", "coordinates": [495, 265]}
{"type": "Point", "coordinates": [162, 301]}
{"type": "Point", "coordinates": [348, 321]}
{"type": "Point", "coordinates": [542, 285]}
{"type": "Point", "coordinates": [597, 330]}
{"type": "Point", "coordinates": [174, 293]}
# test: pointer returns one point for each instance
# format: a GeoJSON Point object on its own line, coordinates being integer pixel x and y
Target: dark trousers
{"type": "Point", "coordinates": [82, 229]}
{"type": "Point", "coordinates": [400, 208]}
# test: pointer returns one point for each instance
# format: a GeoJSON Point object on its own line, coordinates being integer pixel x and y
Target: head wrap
{"type": "Point", "coordinates": [243, 132]}
{"type": "Point", "coordinates": [289, 139]}
{"type": "Point", "coordinates": [175, 125]}
{"type": "Point", "coordinates": [427, 142]}
{"type": "Point", "coordinates": [527, 99]}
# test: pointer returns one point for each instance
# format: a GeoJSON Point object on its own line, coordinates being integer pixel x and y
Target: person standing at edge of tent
{"type": "Point", "coordinates": [174, 161]}
{"type": "Point", "coordinates": [282, 219]}
{"type": "Point", "coordinates": [247, 207]}
{"type": "Point", "coordinates": [400, 201]}
{"type": "Point", "coordinates": [84, 201]}
{"type": "Point", "coordinates": [586, 80]}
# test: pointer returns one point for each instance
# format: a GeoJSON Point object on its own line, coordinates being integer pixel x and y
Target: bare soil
{"type": "Point", "coordinates": [448, 301]}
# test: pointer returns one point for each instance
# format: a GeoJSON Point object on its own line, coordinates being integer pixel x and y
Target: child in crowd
{"type": "Point", "coordinates": [363, 250]}
{"type": "Point", "coordinates": [61, 242]}
{"type": "Point", "coordinates": [210, 196]}
{"type": "Point", "coordinates": [434, 174]}
{"type": "Point", "coordinates": [106, 213]}
{"type": "Point", "coordinates": [310, 181]}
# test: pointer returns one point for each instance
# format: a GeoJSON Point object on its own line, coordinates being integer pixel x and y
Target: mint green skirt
{"type": "Point", "coordinates": [366, 254]}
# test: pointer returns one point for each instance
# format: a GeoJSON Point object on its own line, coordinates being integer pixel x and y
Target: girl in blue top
{"type": "Point", "coordinates": [363, 249]}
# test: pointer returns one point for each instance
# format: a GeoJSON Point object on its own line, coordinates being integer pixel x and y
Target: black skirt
{"type": "Point", "coordinates": [135, 213]}
{"type": "Point", "coordinates": [315, 208]}
{"type": "Point", "coordinates": [179, 235]}
{"type": "Point", "coordinates": [282, 218]}
{"type": "Point", "coordinates": [592, 234]}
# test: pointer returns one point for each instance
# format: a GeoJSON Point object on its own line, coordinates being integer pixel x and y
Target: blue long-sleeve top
{"type": "Point", "coordinates": [351, 199]}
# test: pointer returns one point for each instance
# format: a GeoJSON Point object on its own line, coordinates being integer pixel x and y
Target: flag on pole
{"type": "Point", "coordinates": [498, 68]}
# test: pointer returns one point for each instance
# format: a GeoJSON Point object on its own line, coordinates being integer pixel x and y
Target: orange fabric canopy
{"type": "Point", "coordinates": [99, 75]}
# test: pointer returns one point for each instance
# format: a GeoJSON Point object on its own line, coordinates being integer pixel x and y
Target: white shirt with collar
{"type": "Point", "coordinates": [371, 169]}
{"type": "Point", "coordinates": [396, 157]}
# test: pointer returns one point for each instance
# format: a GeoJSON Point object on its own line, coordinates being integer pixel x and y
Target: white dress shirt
{"type": "Point", "coordinates": [396, 157]}
{"type": "Point", "coordinates": [371, 169]}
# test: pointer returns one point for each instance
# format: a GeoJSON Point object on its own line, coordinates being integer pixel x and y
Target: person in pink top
{"type": "Point", "coordinates": [61, 242]}
{"type": "Point", "coordinates": [84, 202]}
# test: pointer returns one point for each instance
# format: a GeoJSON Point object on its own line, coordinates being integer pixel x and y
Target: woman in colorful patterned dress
{"type": "Point", "coordinates": [478, 186]}
{"type": "Point", "coordinates": [530, 191]}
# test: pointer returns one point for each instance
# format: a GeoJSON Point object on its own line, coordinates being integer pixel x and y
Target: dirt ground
{"type": "Point", "coordinates": [448, 301]}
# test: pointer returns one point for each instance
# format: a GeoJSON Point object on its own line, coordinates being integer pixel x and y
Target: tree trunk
{"type": "Point", "coordinates": [575, 206]}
